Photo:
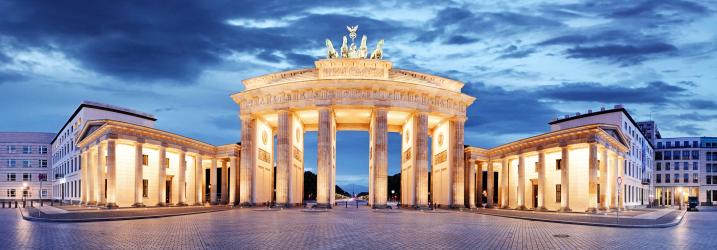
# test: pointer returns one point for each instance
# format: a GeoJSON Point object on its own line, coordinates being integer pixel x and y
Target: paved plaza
{"type": "Point", "coordinates": [348, 228]}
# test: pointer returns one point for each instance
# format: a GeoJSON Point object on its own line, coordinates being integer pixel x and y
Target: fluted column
{"type": "Point", "coordinates": [479, 183]}
{"type": "Point", "coordinates": [198, 180]}
{"type": "Point", "coordinates": [182, 181]}
{"type": "Point", "coordinates": [489, 184]}
{"type": "Point", "coordinates": [111, 174]}
{"type": "Point", "coordinates": [283, 158]}
{"type": "Point", "coordinates": [505, 177]}
{"type": "Point", "coordinates": [541, 181]}
{"type": "Point", "coordinates": [247, 161]}
{"type": "Point", "coordinates": [613, 182]}
{"type": "Point", "coordinates": [225, 182]}
{"type": "Point", "coordinates": [604, 196]}
{"type": "Point", "coordinates": [470, 187]}
{"type": "Point", "coordinates": [621, 173]}
{"type": "Point", "coordinates": [421, 159]}
{"type": "Point", "coordinates": [84, 167]}
{"type": "Point", "coordinates": [457, 170]}
{"type": "Point", "coordinates": [592, 178]}
{"type": "Point", "coordinates": [213, 182]}
{"type": "Point", "coordinates": [232, 180]}
{"type": "Point", "coordinates": [521, 182]}
{"type": "Point", "coordinates": [162, 176]}
{"type": "Point", "coordinates": [565, 179]}
{"type": "Point", "coordinates": [101, 163]}
{"type": "Point", "coordinates": [91, 177]}
{"type": "Point", "coordinates": [138, 175]}
{"type": "Point", "coordinates": [380, 157]}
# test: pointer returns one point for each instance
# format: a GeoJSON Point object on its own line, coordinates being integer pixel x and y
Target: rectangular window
{"type": "Point", "coordinates": [11, 163]}
{"type": "Point", "coordinates": [686, 178]}
{"type": "Point", "coordinates": [685, 166]}
{"type": "Point", "coordinates": [685, 155]}
{"type": "Point", "coordinates": [668, 155]}
{"type": "Point", "coordinates": [695, 178]}
{"type": "Point", "coordinates": [659, 144]}
{"type": "Point", "coordinates": [695, 166]}
{"type": "Point", "coordinates": [658, 178]}
{"type": "Point", "coordinates": [695, 155]}
{"type": "Point", "coordinates": [11, 193]}
{"type": "Point", "coordinates": [26, 163]}
{"type": "Point", "coordinates": [11, 177]}
{"type": "Point", "coordinates": [695, 144]}
{"type": "Point", "coordinates": [26, 149]}
{"type": "Point", "coordinates": [708, 180]}
{"type": "Point", "coordinates": [26, 177]}
{"type": "Point", "coordinates": [658, 166]}
{"type": "Point", "coordinates": [145, 160]}
{"type": "Point", "coordinates": [658, 155]}
{"type": "Point", "coordinates": [44, 193]}
{"type": "Point", "coordinates": [43, 150]}
{"type": "Point", "coordinates": [11, 149]}
{"type": "Point", "coordinates": [667, 166]}
{"type": "Point", "coordinates": [676, 155]}
{"type": "Point", "coordinates": [166, 161]}
{"type": "Point", "coordinates": [558, 164]}
{"type": "Point", "coordinates": [667, 178]}
{"type": "Point", "coordinates": [145, 188]}
{"type": "Point", "coordinates": [677, 144]}
{"type": "Point", "coordinates": [557, 193]}
{"type": "Point", "coordinates": [677, 178]}
{"type": "Point", "coordinates": [42, 163]}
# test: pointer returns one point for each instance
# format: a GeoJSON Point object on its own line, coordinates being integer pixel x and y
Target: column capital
{"type": "Point", "coordinates": [459, 118]}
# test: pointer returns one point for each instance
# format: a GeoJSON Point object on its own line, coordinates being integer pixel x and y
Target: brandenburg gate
{"type": "Point", "coordinates": [352, 90]}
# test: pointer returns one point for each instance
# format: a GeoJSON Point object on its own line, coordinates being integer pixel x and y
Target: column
{"type": "Point", "coordinates": [233, 180]}
{"type": "Point", "coordinates": [521, 182]}
{"type": "Point", "coordinates": [225, 182]}
{"type": "Point", "coordinates": [457, 171]}
{"type": "Point", "coordinates": [613, 182]}
{"type": "Point", "coordinates": [162, 176]}
{"type": "Point", "coordinates": [283, 157]}
{"type": "Point", "coordinates": [541, 181]}
{"type": "Point", "coordinates": [621, 173]}
{"type": "Point", "coordinates": [592, 178]}
{"type": "Point", "coordinates": [138, 175]}
{"type": "Point", "coordinates": [111, 174]}
{"type": "Point", "coordinates": [565, 179]}
{"type": "Point", "coordinates": [489, 184]}
{"type": "Point", "coordinates": [84, 168]}
{"type": "Point", "coordinates": [182, 181]}
{"type": "Point", "coordinates": [91, 176]}
{"type": "Point", "coordinates": [101, 163]}
{"type": "Point", "coordinates": [213, 182]}
{"type": "Point", "coordinates": [505, 176]}
{"type": "Point", "coordinates": [470, 187]}
{"type": "Point", "coordinates": [604, 196]}
{"type": "Point", "coordinates": [380, 157]}
{"type": "Point", "coordinates": [247, 161]}
{"type": "Point", "coordinates": [479, 183]}
{"type": "Point", "coordinates": [198, 180]}
{"type": "Point", "coordinates": [421, 159]}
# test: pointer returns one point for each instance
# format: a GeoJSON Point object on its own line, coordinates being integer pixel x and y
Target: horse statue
{"type": "Point", "coordinates": [363, 50]}
{"type": "Point", "coordinates": [345, 48]}
{"type": "Point", "coordinates": [331, 51]}
{"type": "Point", "coordinates": [378, 52]}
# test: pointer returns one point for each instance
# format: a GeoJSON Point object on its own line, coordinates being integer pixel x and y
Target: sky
{"type": "Point", "coordinates": [526, 62]}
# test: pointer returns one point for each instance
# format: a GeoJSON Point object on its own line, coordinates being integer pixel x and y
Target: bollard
{"type": "Point", "coordinates": [42, 203]}
{"type": "Point", "coordinates": [23, 204]}
{"type": "Point", "coordinates": [3, 204]}
{"type": "Point", "coordinates": [356, 203]}
{"type": "Point", "coordinates": [15, 204]}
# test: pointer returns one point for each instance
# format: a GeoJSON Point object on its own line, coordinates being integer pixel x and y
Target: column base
{"type": "Point", "coordinates": [197, 204]}
{"type": "Point", "coordinates": [138, 205]}
{"type": "Point", "coordinates": [522, 208]}
{"type": "Point", "coordinates": [541, 209]}
{"type": "Point", "coordinates": [99, 204]}
{"type": "Point", "coordinates": [246, 204]}
{"type": "Point", "coordinates": [182, 204]}
{"type": "Point", "coordinates": [457, 206]}
{"type": "Point", "coordinates": [161, 204]}
{"type": "Point", "coordinates": [591, 210]}
{"type": "Point", "coordinates": [380, 206]}
{"type": "Point", "coordinates": [565, 209]}
{"type": "Point", "coordinates": [112, 205]}
{"type": "Point", "coordinates": [505, 207]}
{"type": "Point", "coordinates": [91, 203]}
{"type": "Point", "coordinates": [323, 205]}
{"type": "Point", "coordinates": [422, 207]}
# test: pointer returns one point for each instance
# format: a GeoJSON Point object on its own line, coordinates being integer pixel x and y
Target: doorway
{"type": "Point", "coordinates": [535, 196]}
{"type": "Point", "coordinates": [168, 192]}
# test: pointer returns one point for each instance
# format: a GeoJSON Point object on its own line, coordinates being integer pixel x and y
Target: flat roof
{"type": "Point", "coordinates": [106, 107]}
{"type": "Point", "coordinates": [607, 111]}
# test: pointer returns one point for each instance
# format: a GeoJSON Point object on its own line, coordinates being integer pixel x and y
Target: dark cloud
{"type": "Point", "coordinates": [650, 93]}
{"type": "Point", "coordinates": [301, 60]}
{"type": "Point", "coordinates": [689, 129]}
{"type": "Point", "coordinates": [458, 40]}
{"type": "Point", "coordinates": [623, 54]}
{"type": "Point", "coordinates": [9, 76]}
{"type": "Point", "coordinates": [700, 104]}
{"type": "Point", "coordinates": [500, 111]}
{"type": "Point", "coordinates": [654, 9]}
{"type": "Point", "coordinates": [513, 51]}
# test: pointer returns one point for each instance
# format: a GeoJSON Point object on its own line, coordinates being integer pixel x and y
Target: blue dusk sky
{"type": "Point", "coordinates": [526, 62]}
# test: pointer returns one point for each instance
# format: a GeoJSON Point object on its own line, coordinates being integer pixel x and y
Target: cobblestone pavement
{"type": "Point", "coordinates": [348, 228]}
{"type": "Point", "coordinates": [128, 212]}
{"type": "Point", "coordinates": [587, 218]}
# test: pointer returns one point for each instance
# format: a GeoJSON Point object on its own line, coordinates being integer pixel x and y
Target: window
{"type": "Point", "coordinates": [44, 193]}
{"type": "Point", "coordinates": [42, 163]}
{"type": "Point", "coordinates": [11, 163]}
{"type": "Point", "coordinates": [26, 176]}
{"type": "Point", "coordinates": [695, 155]}
{"type": "Point", "coordinates": [685, 166]}
{"type": "Point", "coordinates": [166, 161]}
{"type": "Point", "coordinates": [42, 177]}
{"type": "Point", "coordinates": [658, 155]}
{"type": "Point", "coordinates": [26, 149]}
{"type": "Point", "coordinates": [43, 150]}
{"type": "Point", "coordinates": [659, 144]}
{"type": "Point", "coordinates": [677, 144]}
{"type": "Point", "coordinates": [677, 166]}
{"type": "Point", "coordinates": [557, 193]}
{"type": "Point", "coordinates": [676, 155]}
{"type": "Point", "coordinates": [26, 193]}
{"type": "Point", "coordinates": [686, 178]}
{"type": "Point", "coordinates": [11, 193]}
{"type": "Point", "coordinates": [695, 166]}
{"type": "Point", "coordinates": [677, 178]}
{"type": "Point", "coordinates": [11, 177]}
{"type": "Point", "coordinates": [658, 166]}
{"type": "Point", "coordinates": [145, 160]}
{"type": "Point", "coordinates": [695, 178]}
{"type": "Point", "coordinates": [668, 155]}
{"type": "Point", "coordinates": [685, 155]}
{"type": "Point", "coordinates": [667, 166]}
{"type": "Point", "coordinates": [26, 163]}
{"type": "Point", "coordinates": [145, 188]}
{"type": "Point", "coordinates": [695, 144]}
{"type": "Point", "coordinates": [667, 178]}
{"type": "Point", "coordinates": [668, 144]}
{"type": "Point", "coordinates": [658, 178]}
{"type": "Point", "coordinates": [708, 180]}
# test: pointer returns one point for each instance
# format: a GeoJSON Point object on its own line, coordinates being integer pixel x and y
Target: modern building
{"type": "Point", "coordinates": [684, 167]}
{"type": "Point", "coordinates": [636, 186]}
{"type": "Point", "coordinates": [24, 161]}
{"type": "Point", "coordinates": [650, 130]}
{"type": "Point", "coordinates": [65, 153]}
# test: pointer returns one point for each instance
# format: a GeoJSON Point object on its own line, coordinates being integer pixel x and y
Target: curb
{"type": "Point", "coordinates": [663, 225]}
{"type": "Point", "coordinates": [36, 219]}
